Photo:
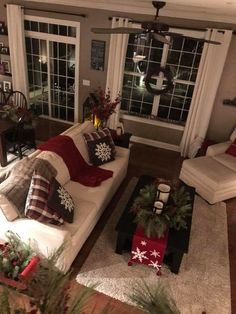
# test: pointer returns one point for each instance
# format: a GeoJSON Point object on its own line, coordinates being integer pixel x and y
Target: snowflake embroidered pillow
{"type": "Point", "coordinates": [100, 151]}
{"type": "Point", "coordinates": [101, 133]}
{"type": "Point", "coordinates": [61, 201]}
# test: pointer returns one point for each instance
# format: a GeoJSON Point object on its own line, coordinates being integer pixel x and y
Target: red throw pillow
{"type": "Point", "coordinates": [232, 149]}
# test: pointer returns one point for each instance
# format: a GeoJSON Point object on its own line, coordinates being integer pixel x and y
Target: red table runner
{"type": "Point", "coordinates": [148, 251]}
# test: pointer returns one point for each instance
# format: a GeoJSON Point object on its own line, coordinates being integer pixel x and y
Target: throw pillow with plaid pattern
{"type": "Point", "coordinates": [36, 202]}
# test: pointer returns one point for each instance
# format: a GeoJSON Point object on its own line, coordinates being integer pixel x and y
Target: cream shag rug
{"type": "Point", "coordinates": [203, 282]}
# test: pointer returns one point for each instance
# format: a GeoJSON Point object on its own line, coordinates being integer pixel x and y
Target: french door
{"type": "Point", "coordinates": [52, 57]}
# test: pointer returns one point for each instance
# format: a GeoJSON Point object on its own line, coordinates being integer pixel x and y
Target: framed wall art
{"type": "Point", "coordinates": [2, 69]}
{"type": "Point", "coordinates": [98, 54]}
{"type": "Point", "coordinates": [4, 50]}
{"type": "Point", "coordinates": [6, 86]}
{"type": "Point", "coordinates": [6, 64]}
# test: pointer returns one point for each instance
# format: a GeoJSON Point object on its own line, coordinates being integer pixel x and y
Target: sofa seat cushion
{"type": "Point", "coordinates": [84, 212]}
{"type": "Point", "coordinates": [211, 172]}
{"type": "Point", "coordinates": [44, 237]}
{"type": "Point", "coordinates": [102, 194]}
{"type": "Point", "coordinates": [227, 160]}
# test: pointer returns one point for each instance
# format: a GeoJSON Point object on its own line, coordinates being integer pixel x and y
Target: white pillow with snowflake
{"type": "Point", "coordinates": [100, 151]}
{"type": "Point", "coordinates": [61, 201]}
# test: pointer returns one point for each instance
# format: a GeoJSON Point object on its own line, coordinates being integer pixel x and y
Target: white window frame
{"type": "Point", "coordinates": [186, 32]}
{"type": "Point", "coordinates": [64, 39]}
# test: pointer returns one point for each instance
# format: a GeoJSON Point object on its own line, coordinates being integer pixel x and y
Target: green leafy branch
{"type": "Point", "coordinates": [173, 215]}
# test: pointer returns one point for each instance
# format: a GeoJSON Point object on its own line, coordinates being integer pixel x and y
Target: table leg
{"type": "Point", "coordinates": [121, 240]}
{"type": "Point", "coordinates": [3, 152]}
{"type": "Point", "coordinates": [176, 262]}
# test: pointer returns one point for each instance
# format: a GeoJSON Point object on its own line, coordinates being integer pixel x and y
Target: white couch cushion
{"type": "Point", "coordinates": [8, 208]}
{"type": "Point", "coordinates": [210, 171]}
{"type": "Point", "coordinates": [84, 211]}
{"type": "Point", "coordinates": [233, 135]}
{"type": "Point", "coordinates": [227, 160]}
{"type": "Point", "coordinates": [57, 162]}
{"type": "Point", "coordinates": [44, 237]}
{"type": "Point", "coordinates": [77, 135]}
{"type": "Point", "coordinates": [102, 194]}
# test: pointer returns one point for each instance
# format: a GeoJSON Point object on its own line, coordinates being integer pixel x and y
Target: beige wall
{"type": "Point", "coordinates": [152, 132]}
{"type": "Point", "coordinates": [4, 39]}
{"type": "Point", "coordinates": [223, 117]}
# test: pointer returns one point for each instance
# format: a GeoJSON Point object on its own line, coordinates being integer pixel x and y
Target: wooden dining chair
{"type": "Point", "coordinates": [3, 99]}
{"type": "Point", "coordinates": [17, 99]}
{"type": "Point", "coordinates": [22, 136]}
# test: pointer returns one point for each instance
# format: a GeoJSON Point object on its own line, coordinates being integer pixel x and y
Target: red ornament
{"type": "Point", "coordinates": [148, 251]}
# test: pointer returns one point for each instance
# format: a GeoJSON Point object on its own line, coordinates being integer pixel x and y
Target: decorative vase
{"type": "Point", "coordinates": [24, 277]}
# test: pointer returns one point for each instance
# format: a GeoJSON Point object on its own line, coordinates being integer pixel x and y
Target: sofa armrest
{"type": "Point", "coordinates": [122, 151]}
{"type": "Point", "coordinates": [217, 149]}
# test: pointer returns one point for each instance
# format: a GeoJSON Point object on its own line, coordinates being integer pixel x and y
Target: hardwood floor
{"type": "Point", "coordinates": [161, 163]}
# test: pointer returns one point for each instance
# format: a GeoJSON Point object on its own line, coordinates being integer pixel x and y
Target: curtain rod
{"type": "Point", "coordinates": [53, 11]}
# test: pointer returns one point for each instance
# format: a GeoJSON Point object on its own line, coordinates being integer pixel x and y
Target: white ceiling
{"type": "Point", "coordinates": [208, 10]}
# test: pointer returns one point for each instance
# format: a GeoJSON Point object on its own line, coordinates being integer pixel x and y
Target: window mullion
{"type": "Point", "coordinates": [160, 80]}
{"type": "Point", "coordinates": [49, 79]}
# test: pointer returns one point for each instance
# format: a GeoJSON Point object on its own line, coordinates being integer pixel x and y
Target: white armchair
{"type": "Point", "coordinates": [214, 175]}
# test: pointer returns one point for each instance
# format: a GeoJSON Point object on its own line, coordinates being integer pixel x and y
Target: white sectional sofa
{"type": "Point", "coordinates": [213, 175]}
{"type": "Point", "coordinates": [90, 203]}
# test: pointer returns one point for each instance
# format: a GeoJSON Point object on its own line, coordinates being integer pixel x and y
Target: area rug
{"type": "Point", "coordinates": [203, 282]}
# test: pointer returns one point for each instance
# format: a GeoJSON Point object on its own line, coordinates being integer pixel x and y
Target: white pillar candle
{"type": "Point", "coordinates": [158, 207]}
{"type": "Point", "coordinates": [163, 192]}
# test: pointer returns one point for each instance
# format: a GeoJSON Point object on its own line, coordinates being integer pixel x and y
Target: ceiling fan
{"type": "Point", "coordinates": [155, 28]}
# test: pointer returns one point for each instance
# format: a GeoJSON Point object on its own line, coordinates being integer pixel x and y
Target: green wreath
{"type": "Point", "coordinates": [173, 215]}
{"type": "Point", "coordinates": [155, 71]}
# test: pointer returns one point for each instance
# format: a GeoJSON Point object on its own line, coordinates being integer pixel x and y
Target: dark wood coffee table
{"type": "Point", "coordinates": [178, 240]}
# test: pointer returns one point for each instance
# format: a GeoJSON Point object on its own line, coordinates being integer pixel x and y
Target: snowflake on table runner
{"type": "Point", "coordinates": [155, 265]}
{"type": "Point", "coordinates": [139, 254]}
{"type": "Point", "coordinates": [144, 243]}
{"type": "Point", "coordinates": [103, 151]}
{"type": "Point", "coordinates": [155, 254]}
{"type": "Point", "coordinates": [66, 199]}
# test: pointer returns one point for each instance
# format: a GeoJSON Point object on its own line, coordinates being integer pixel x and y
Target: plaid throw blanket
{"type": "Point", "coordinates": [79, 170]}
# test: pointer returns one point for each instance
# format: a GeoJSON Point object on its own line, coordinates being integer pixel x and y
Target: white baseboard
{"type": "Point", "coordinates": [146, 141]}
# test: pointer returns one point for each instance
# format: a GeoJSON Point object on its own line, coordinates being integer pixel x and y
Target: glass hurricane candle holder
{"type": "Point", "coordinates": [158, 207]}
{"type": "Point", "coordinates": [163, 192]}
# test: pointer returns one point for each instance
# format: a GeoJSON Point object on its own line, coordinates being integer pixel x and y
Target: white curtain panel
{"type": "Point", "coordinates": [116, 63]}
{"type": "Point", "coordinates": [16, 37]}
{"type": "Point", "coordinates": [208, 79]}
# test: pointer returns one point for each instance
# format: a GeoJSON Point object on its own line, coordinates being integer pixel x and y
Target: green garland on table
{"type": "Point", "coordinates": [173, 215]}
{"type": "Point", "coordinates": [15, 255]}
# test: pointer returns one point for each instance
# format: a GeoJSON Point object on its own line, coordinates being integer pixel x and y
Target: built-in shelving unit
{"type": "Point", "coordinates": [5, 78]}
